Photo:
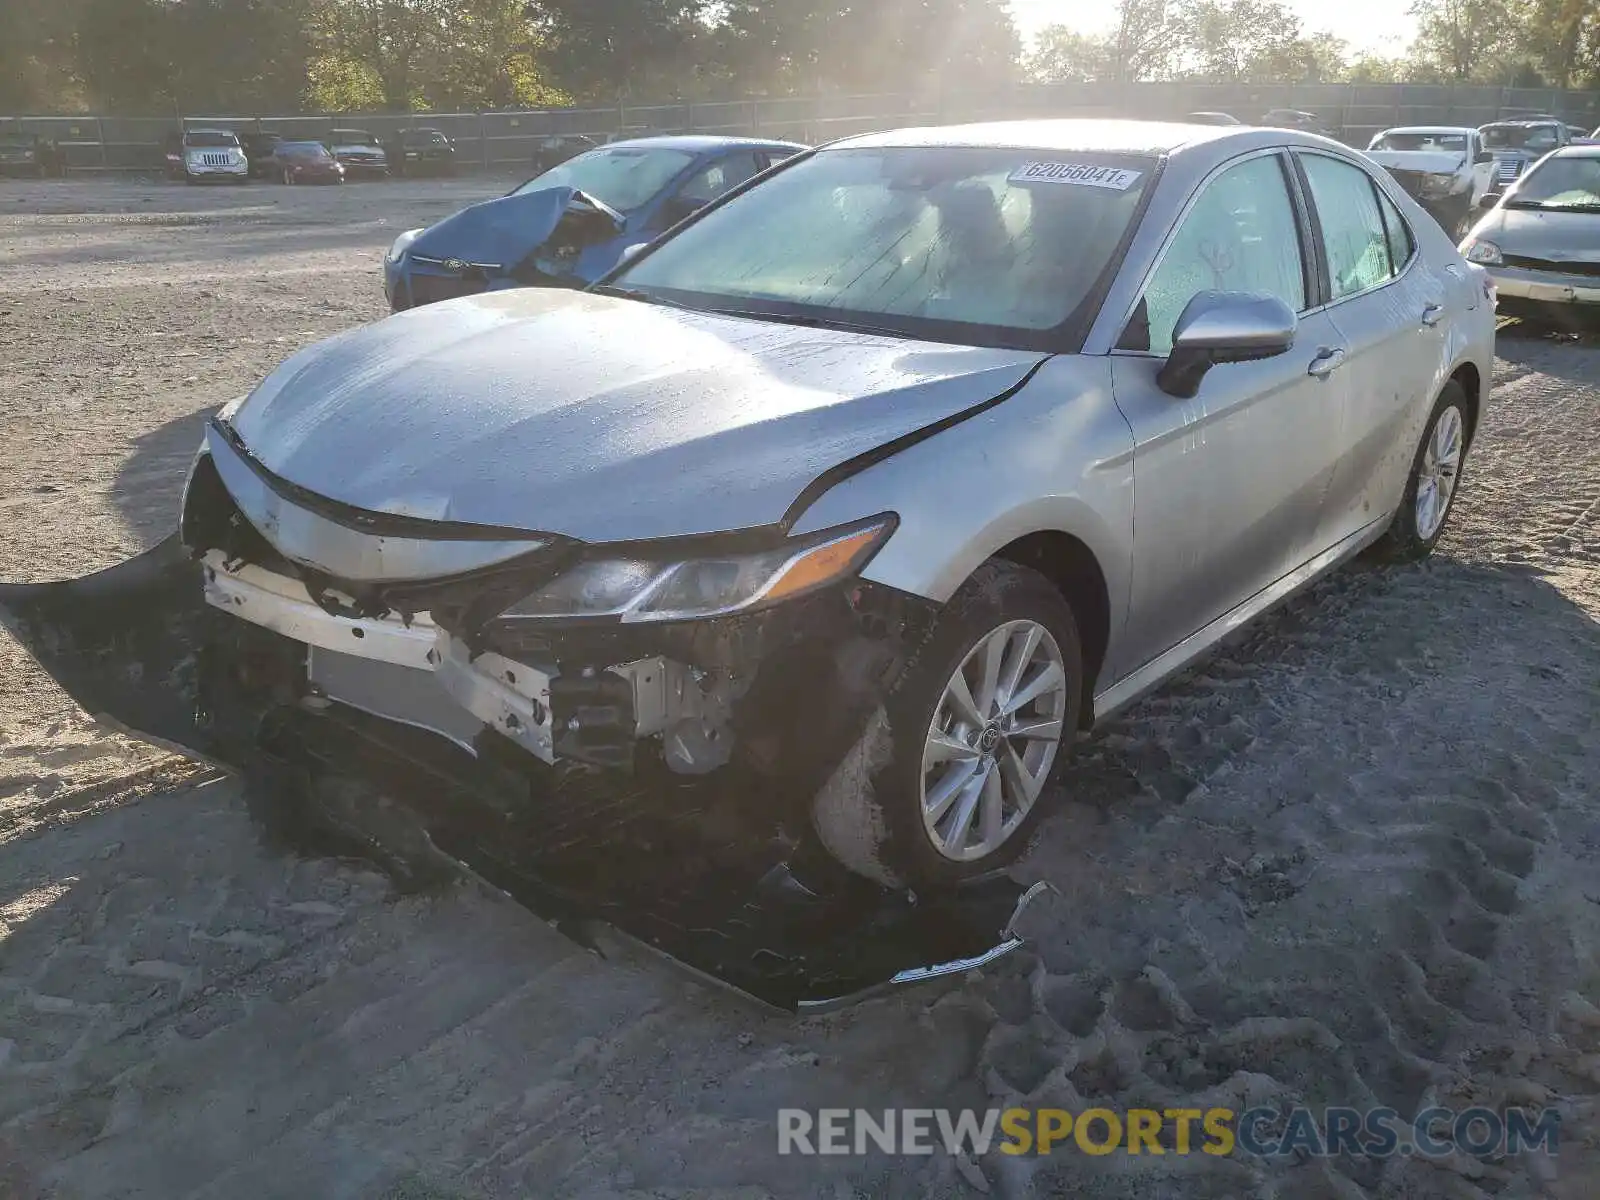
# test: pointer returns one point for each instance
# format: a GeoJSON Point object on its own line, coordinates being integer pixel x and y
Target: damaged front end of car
{"type": "Point", "coordinates": [555, 237]}
{"type": "Point", "coordinates": [627, 741]}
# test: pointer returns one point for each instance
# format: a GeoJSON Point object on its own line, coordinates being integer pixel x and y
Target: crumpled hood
{"type": "Point", "coordinates": [1436, 162]}
{"type": "Point", "coordinates": [1544, 233]}
{"type": "Point", "coordinates": [501, 232]}
{"type": "Point", "coordinates": [600, 418]}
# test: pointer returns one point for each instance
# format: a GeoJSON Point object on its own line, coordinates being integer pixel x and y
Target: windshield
{"type": "Point", "coordinates": [1455, 143]}
{"type": "Point", "coordinates": [211, 139]}
{"type": "Point", "coordinates": [349, 137]}
{"type": "Point", "coordinates": [425, 137]}
{"type": "Point", "coordinates": [1521, 137]}
{"type": "Point", "coordinates": [1562, 182]}
{"type": "Point", "coordinates": [303, 150]}
{"type": "Point", "coordinates": [624, 178]}
{"type": "Point", "coordinates": [977, 245]}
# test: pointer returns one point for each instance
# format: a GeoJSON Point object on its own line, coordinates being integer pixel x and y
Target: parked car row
{"type": "Point", "coordinates": [1455, 172]}
{"type": "Point", "coordinates": [196, 155]}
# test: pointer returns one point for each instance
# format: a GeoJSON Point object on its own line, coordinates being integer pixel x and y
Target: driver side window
{"type": "Point", "coordinates": [1239, 236]}
{"type": "Point", "coordinates": [706, 184]}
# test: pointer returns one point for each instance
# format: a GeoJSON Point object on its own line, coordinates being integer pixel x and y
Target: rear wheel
{"type": "Point", "coordinates": [975, 732]}
{"type": "Point", "coordinates": [1434, 480]}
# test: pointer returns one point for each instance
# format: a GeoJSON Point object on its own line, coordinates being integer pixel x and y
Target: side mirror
{"type": "Point", "coordinates": [1224, 327]}
{"type": "Point", "coordinates": [1484, 156]}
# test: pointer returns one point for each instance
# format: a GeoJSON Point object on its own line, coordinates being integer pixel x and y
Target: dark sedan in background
{"type": "Point", "coordinates": [258, 148]}
{"type": "Point", "coordinates": [421, 151]}
{"type": "Point", "coordinates": [305, 162]}
{"type": "Point", "coordinates": [360, 152]}
{"type": "Point", "coordinates": [29, 154]}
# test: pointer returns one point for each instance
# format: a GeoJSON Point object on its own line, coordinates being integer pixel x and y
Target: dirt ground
{"type": "Point", "coordinates": [1355, 859]}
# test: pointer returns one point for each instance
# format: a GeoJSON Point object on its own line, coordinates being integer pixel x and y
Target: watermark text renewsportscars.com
{"type": "Point", "coordinates": [1256, 1132]}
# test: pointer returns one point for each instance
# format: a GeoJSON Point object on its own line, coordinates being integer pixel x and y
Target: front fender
{"type": "Point", "coordinates": [1056, 456]}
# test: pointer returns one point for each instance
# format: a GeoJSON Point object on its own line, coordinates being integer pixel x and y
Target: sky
{"type": "Point", "coordinates": [1373, 26]}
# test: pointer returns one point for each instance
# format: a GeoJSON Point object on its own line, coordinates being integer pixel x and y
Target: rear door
{"type": "Point", "coordinates": [1228, 486]}
{"type": "Point", "coordinates": [1390, 307]}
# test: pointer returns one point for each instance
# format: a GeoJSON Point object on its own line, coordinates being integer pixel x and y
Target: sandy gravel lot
{"type": "Point", "coordinates": [1353, 860]}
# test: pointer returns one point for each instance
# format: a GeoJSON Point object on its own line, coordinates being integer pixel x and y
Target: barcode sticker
{"type": "Point", "coordinates": [1083, 174]}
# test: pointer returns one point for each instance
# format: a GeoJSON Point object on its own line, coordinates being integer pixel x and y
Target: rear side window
{"type": "Point", "coordinates": [1353, 230]}
{"type": "Point", "coordinates": [1239, 236]}
{"type": "Point", "coordinates": [712, 180]}
{"type": "Point", "coordinates": [1401, 244]}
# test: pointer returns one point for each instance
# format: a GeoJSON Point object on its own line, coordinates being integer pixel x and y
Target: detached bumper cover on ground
{"type": "Point", "coordinates": [712, 872]}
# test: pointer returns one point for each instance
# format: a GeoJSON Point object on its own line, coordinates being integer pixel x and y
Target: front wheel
{"type": "Point", "coordinates": [1435, 477]}
{"type": "Point", "coordinates": [951, 783]}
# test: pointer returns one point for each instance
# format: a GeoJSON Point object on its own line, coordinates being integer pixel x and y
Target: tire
{"type": "Point", "coordinates": [870, 815]}
{"type": "Point", "coordinates": [1409, 538]}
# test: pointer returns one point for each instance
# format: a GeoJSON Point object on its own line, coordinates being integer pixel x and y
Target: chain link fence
{"type": "Point", "coordinates": [507, 142]}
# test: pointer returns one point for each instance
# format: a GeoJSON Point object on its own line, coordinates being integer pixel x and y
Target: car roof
{"type": "Point", "coordinates": [1524, 121]}
{"type": "Point", "coordinates": [1451, 129]}
{"type": "Point", "coordinates": [213, 132]}
{"type": "Point", "coordinates": [1589, 150]}
{"type": "Point", "coordinates": [701, 143]}
{"type": "Point", "coordinates": [1065, 133]}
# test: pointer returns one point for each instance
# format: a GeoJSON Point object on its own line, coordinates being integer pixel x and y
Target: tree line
{"type": "Point", "coordinates": [1512, 43]}
{"type": "Point", "coordinates": [156, 56]}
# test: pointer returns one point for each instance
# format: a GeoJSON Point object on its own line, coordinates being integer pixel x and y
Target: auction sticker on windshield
{"type": "Point", "coordinates": [1083, 174]}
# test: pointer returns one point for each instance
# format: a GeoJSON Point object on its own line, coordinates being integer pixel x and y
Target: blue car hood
{"type": "Point", "coordinates": [498, 233]}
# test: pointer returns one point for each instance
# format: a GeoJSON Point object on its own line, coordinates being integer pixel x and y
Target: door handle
{"type": "Point", "coordinates": [1432, 315]}
{"type": "Point", "coordinates": [1325, 363]}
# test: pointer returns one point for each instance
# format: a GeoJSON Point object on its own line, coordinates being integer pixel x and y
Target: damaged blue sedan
{"type": "Point", "coordinates": [572, 224]}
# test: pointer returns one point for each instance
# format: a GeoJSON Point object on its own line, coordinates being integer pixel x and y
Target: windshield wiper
{"type": "Point", "coordinates": [811, 322]}
{"type": "Point", "coordinates": [1589, 207]}
{"type": "Point", "coordinates": [627, 293]}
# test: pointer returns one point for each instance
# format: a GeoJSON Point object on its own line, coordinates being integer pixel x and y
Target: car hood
{"type": "Point", "coordinates": [358, 148]}
{"type": "Point", "coordinates": [599, 418]}
{"type": "Point", "coordinates": [1545, 233]}
{"type": "Point", "coordinates": [499, 232]}
{"type": "Point", "coordinates": [1436, 162]}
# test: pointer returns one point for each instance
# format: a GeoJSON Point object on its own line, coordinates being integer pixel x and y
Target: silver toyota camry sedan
{"type": "Point", "coordinates": [878, 479]}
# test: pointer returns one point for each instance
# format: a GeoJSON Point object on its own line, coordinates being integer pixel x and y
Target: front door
{"type": "Point", "coordinates": [1228, 486]}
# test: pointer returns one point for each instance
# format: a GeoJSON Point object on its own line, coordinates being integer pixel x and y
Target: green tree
{"type": "Point", "coordinates": [1063, 55]}
{"type": "Point", "coordinates": [393, 39]}
{"type": "Point", "coordinates": [38, 56]}
{"type": "Point", "coordinates": [886, 46]}
{"type": "Point", "coordinates": [607, 50]}
{"type": "Point", "coordinates": [1464, 41]}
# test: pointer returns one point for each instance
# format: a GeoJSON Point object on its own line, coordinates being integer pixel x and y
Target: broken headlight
{"type": "Point", "coordinates": [638, 589]}
{"type": "Point", "coordinates": [401, 243]}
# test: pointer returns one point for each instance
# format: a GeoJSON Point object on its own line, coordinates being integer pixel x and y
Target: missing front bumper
{"type": "Point", "coordinates": [712, 872]}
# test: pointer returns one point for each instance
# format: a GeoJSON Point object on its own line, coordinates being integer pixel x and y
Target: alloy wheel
{"type": "Point", "coordinates": [994, 736]}
{"type": "Point", "coordinates": [1441, 466]}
